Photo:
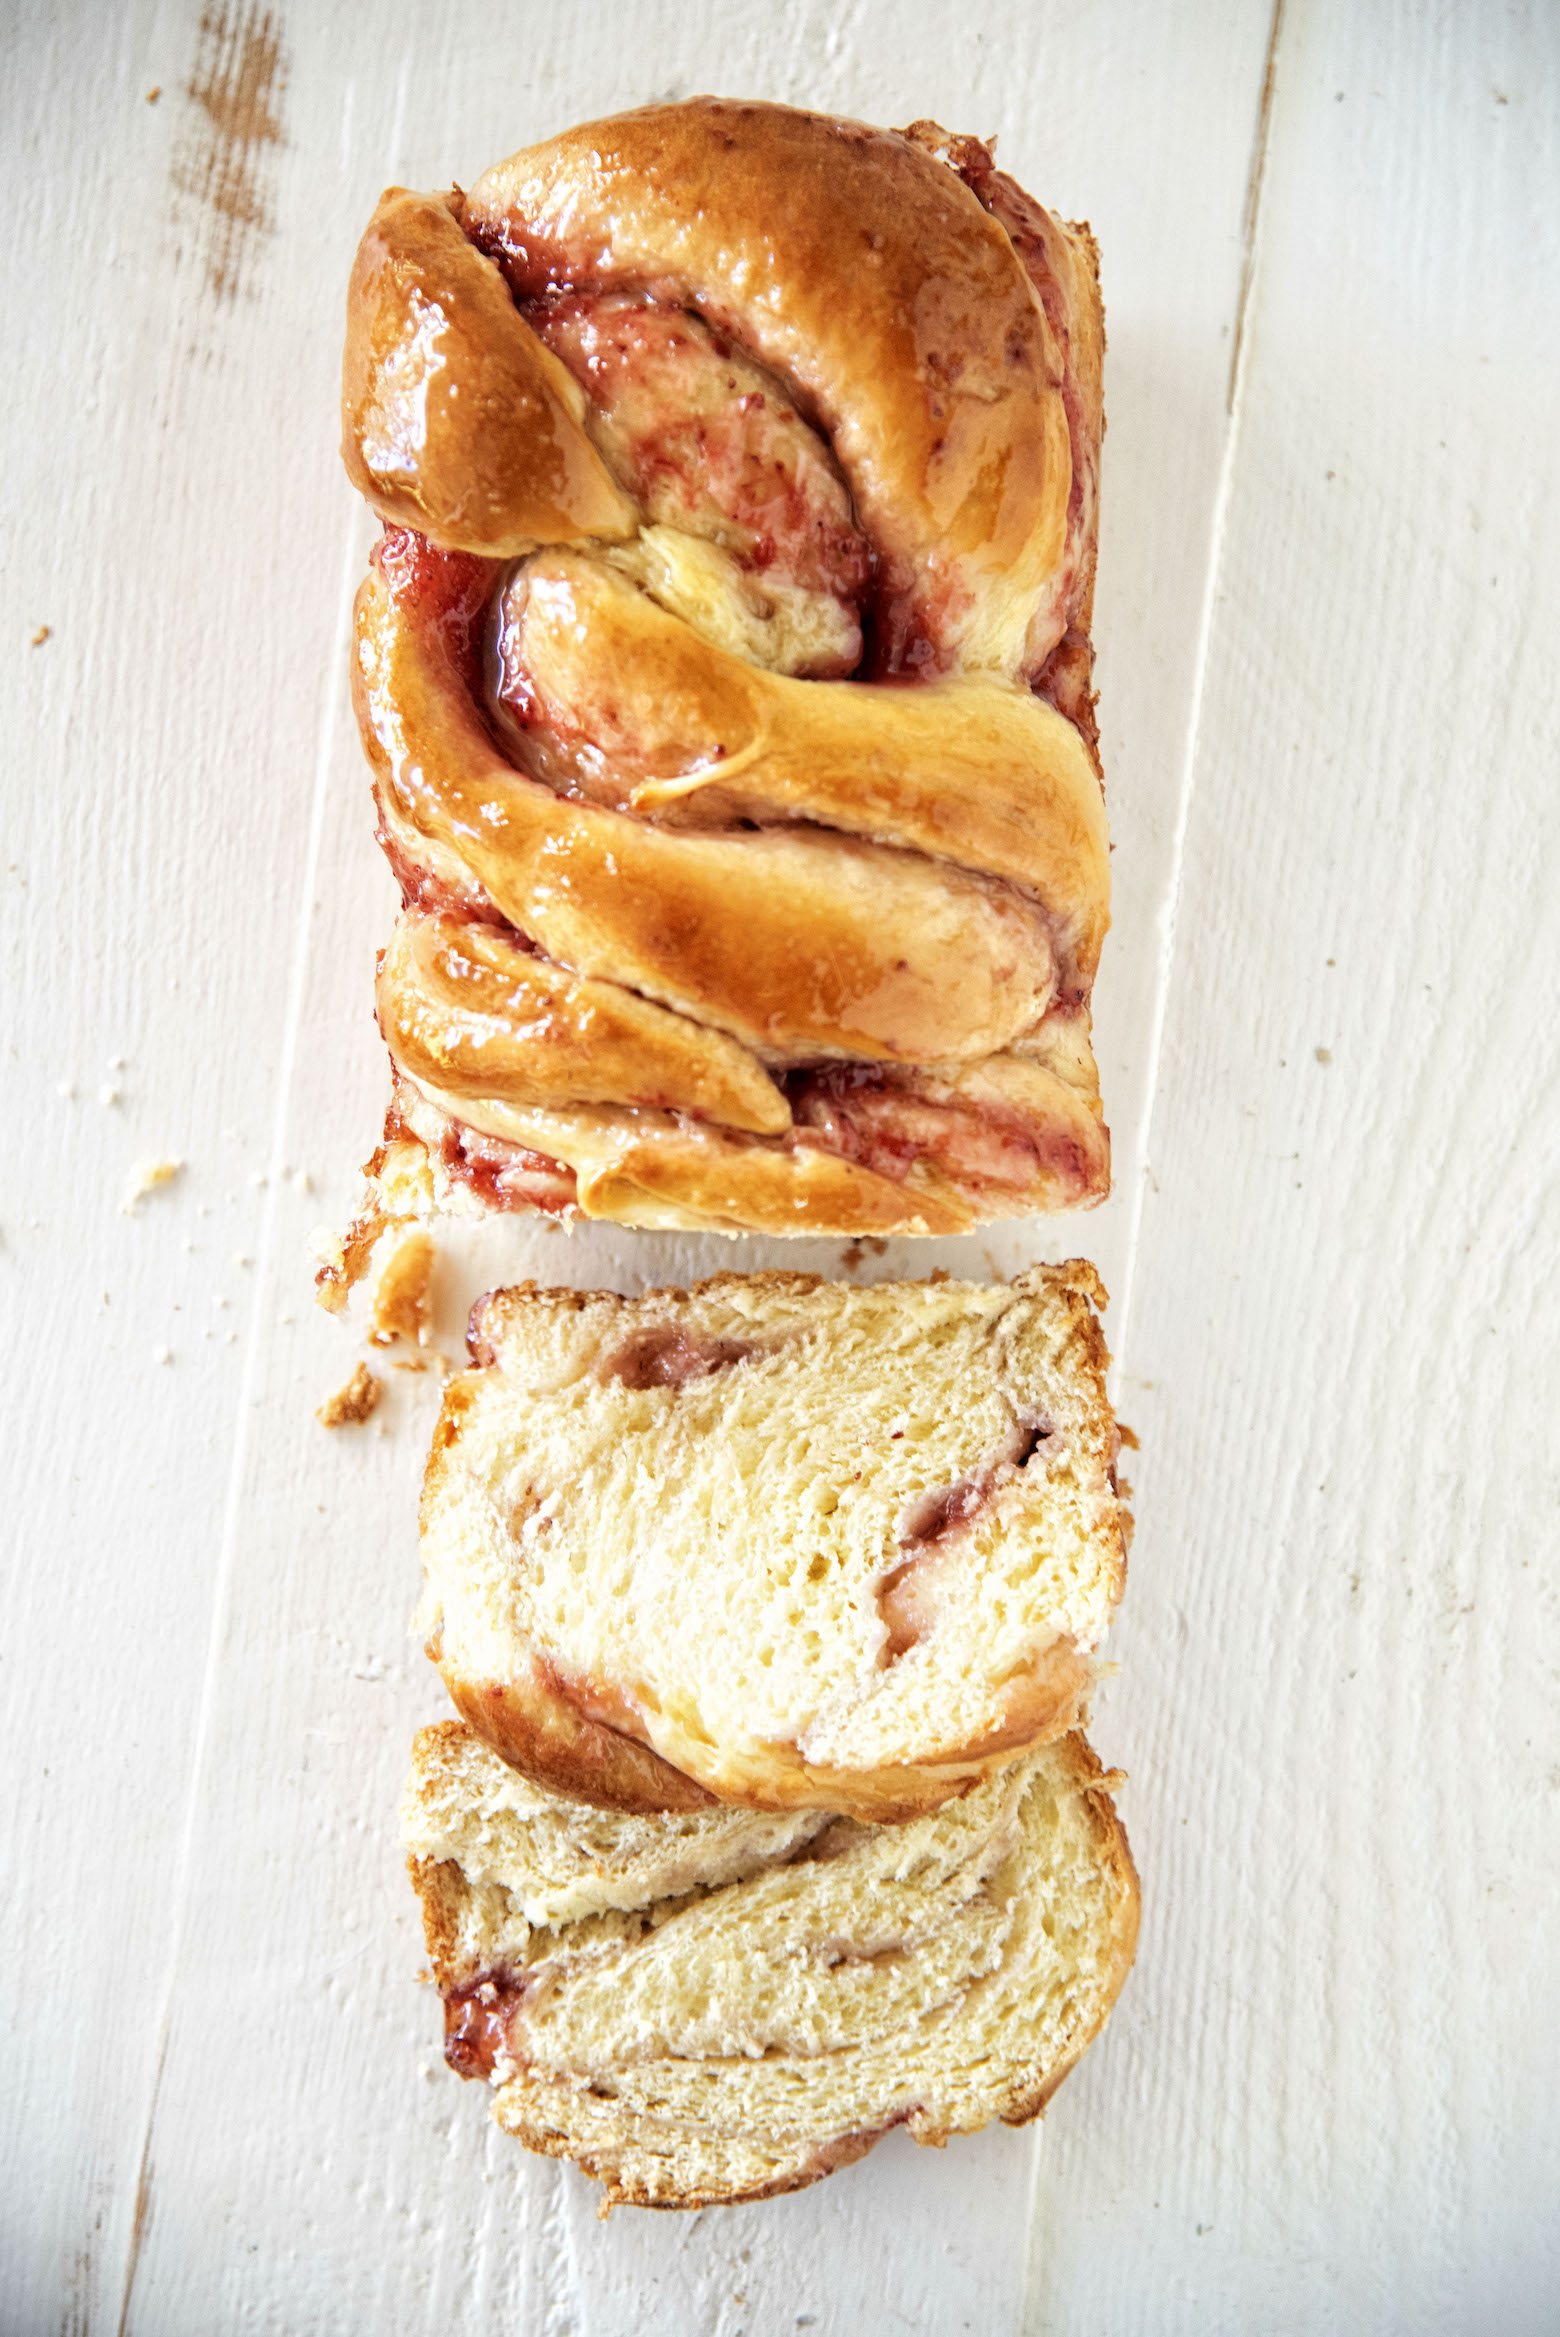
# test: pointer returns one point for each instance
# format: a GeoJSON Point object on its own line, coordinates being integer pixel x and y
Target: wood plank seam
{"type": "Point", "coordinates": [1261, 142]}
{"type": "Point", "coordinates": [171, 2207]}
{"type": "Point", "coordinates": [1259, 155]}
{"type": "Point", "coordinates": [259, 1318]}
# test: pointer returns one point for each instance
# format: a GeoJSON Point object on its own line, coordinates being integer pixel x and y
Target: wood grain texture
{"type": "Point", "coordinates": [154, 860]}
{"type": "Point", "coordinates": [1332, 2102]}
{"type": "Point", "coordinates": [302, 1763]}
{"type": "Point", "coordinates": [225, 2107]}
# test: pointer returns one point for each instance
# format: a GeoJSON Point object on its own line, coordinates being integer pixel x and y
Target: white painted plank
{"type": "Point", "coordinates": [161, 745]}
{"type": "Point", "coordinates": [307, 2164]}
{"type": "Point", "coordinates": [1331, 2103]}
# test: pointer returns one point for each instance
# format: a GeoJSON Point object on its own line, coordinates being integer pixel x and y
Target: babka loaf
{"type": "Point", "coordinates": [773, 1540]}
{"type": "Point", "coordinates": [725, 670]}
{"type": "Point", "coordinates": [725, 2005]}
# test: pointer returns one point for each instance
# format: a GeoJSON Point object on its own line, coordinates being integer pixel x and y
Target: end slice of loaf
{"type": "Point", "coordinates": [775, 1540]}
{"type": "Point", "coordinates": [725, 2005]}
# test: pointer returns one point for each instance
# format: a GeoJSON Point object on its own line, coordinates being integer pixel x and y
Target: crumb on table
{"type": "Point", "coordinates": [148, 1176]}
{"type": "Point", "coordinates": [352, 1403]}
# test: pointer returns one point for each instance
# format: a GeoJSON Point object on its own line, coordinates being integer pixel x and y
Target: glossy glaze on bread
{"type": "Point", "coordinates": [724, 671]}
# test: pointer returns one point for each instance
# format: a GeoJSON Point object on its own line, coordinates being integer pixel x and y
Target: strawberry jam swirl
{"type": "Point", "coordinates": [477, 2022]}
{"type": "Point", "coordinates": [770, 774]}
{"type": "Point", "coordinates": [709, 443]}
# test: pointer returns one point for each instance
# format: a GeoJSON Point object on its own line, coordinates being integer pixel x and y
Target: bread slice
{"type": "Point", "coordinates": [774, 1540]}
{"type": "Point", "coordinates": [722, 2006]}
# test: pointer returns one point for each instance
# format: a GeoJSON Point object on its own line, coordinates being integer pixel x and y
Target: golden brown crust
{"type": "Point", "coordinates": [1113, 1854]}
{"type": "Point", "coordinates": [966, 770]}
{"type": "Point", "coordinates": [937, 378]}
{"type": "Point", "coordinates": [467, 1012]}
{"type": "Point", "coordinates": [793, 942]}
{"type": "Point", "coordinates": [531, 1724]}
{"type": "Point", "coordinates": [456, 420]}
{"type": "Point", "coordinates": [397, 1191]}
{"type": "Point", "coordinates": [1086, 323]}
{"type": "Point", "coordinates": [349, 1406]}
{"type": "Point", "coordinates": [648, 1168]}
{"type": "Point", "coordinates": [621, 2189]}
{"type": "Point", "coordinates": [705, 1181]}
{"type": "Point", "coordinates": [439, 1884]}
{"type": "Point", "coordinates": [757, 877]}
{"type": "Point", "coordinates": [399, 1307]}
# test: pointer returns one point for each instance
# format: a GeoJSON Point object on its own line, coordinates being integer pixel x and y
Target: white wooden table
{"type": "Point", "coordinates": [1329, 602]}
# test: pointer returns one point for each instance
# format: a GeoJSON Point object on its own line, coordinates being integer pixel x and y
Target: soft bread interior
{"type": "Point", "coordinates": [801, 1986]}
{"type": "Point", "coordinates": [812, 1544]}
{"type": "Point", "coordinates": [529, 1855]}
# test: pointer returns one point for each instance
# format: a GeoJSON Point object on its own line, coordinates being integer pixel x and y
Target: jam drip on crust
{"type": "Point", "coordinates": [884, 1122]}
{"type": "Point", "coordinates": [505, 1176]}
{"type": "Point", "coordinates": [477, 2025]}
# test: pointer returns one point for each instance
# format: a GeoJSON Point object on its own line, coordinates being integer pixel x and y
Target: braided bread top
{"type": "Point", "coordinates": [726, 662]}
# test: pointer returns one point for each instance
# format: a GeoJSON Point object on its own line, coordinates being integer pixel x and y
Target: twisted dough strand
{"type": "Point", "coordinates": [864, 273]}
{"type": "Point", "coordinates": [710, 943]}
{"type": "Point", "coordinates": [918, 962]}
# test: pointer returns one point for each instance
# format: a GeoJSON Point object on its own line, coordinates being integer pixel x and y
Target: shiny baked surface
{"type": "Point", "coordinates": [724, 671]}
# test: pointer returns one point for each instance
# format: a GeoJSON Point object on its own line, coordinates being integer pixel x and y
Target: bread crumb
{"type": "Point", "coordinates": [162, 1355]}
{"type": "Point", "coordinates": [149, 1176]}
{"type": "Point", "coordinates": [1324, 1055]}
{"type": "Point", "coordinates": [399, 1306]}
{"type": "Point", "coordinates": [108, 1094]}
{"type": "Point", "coordinates": [154, 94]}
{"type": "Point", "coordinates": [354, 1402]}
{"type": "Point", "coordinates": [67, 1089]}
{"type": "Point", "coordinates": [41, 636]}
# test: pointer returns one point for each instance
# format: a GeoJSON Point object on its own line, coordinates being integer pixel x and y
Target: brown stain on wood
{"type": "Point", "coordinates": [237, 82]}
{"type": "Point", "coordinates": [143, 2201]}
{"type": "Point", "coordinates": [1259, 155]}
